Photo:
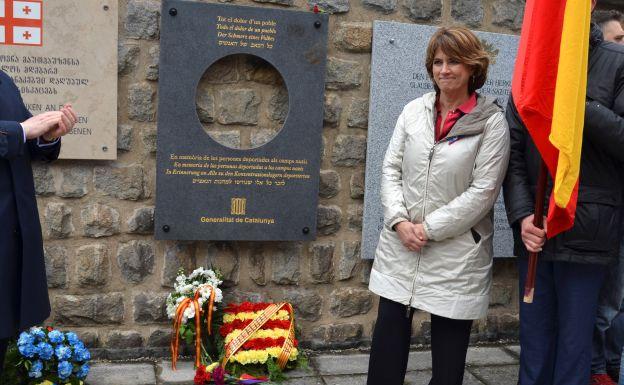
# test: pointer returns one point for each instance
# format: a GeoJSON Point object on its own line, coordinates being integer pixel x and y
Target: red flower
{"type": "Point", "coordinates": [264, 343]}
{"type": "Point", "coordinates": [218, 375]}
{"type": "Point", "coordinates": [316, 8]}
{"type": "Point", "coordinates": [245, 307]}
{"type": "Point", "coordinates": [49, 328]}
{"type": "Point", "coordinates": [237, 324]}
{"type": "Point", "coordinates": [202, 377]}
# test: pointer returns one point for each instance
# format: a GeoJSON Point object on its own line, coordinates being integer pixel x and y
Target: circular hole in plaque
{"type": "Point", "coordinates": [242, 101]}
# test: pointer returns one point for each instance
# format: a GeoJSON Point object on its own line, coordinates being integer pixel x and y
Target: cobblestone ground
{"type": "Point", "coordinates": [485, 366]}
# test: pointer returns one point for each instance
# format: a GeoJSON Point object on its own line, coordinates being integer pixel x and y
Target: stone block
{"type": "Point", "coordinates": [231, 139]}
{"type": "Point", "coordinates": [127, 57]}
{"type": "Point", "coordinates": [500, 295]}
{"type": "Point", "coordinates": [177, 255]}
{"type": "Point", "coordinates": [423, 10]}
{"type": "Point", "coordinates": [358, 113]}
{"type": "Point", "coordinates": [278, 105]}
{"type": "Point", "coordinates": [74, 182]}
{"type": "Point", "coordinates": [141, 105]}
{"type": "Point", "coordinates": [151, 72]}
{"type": "Point", "coordinates": [142, 19]}
{"type": "Point", "coordinates": [358, 36]}
{"type": "Point", "coordinates": [56, 266]}
{"type": "Point", "coordinates": [469, 12]}
{"type": "Point", "coordinates": [508, 14]}
{"type": "Point", "coordinates": [354, 216]}
{"type": "Point", "coordinates": [58, 220]}
{"type": "Point", "coordinates": [205, 106]}
{"type": "Point", "coordinates": [349, 150]}
{"type": "Point", "coordinates": [99, 221]}
{"type": "Point", "coordinates": [307, 303]}
{"type": "Point", "coordinates": [44, 179]}
{"type": "Point", "coordinates": [285, 263]}
{"type": "Point", "coordinates": [349, 260]}
{"type": "Point", "coordinates": [260, 137]}
{"type": "Point", "coordinates": [336, 336]}
{"type": "Point", "coordinates": [135, 260]}
{"type": "Point", "coordinates": [239, 106]}
{"type": "Point", "coordinates": [280, 2]}
{"type": "Point", "coordinates": [93, 267]}
{"type": "Point", "coordinates": [357, 184]}
{"type": "Point", "coordinates": [328, 219]}
{"type": "Point", "coordinates": [150, 308]}
{"type": "Point", "coordinates": [142, 221]}
{"type": "Point", "coordinates": [330, 6]}
{"type": "Point", "coordinates": [122, 374]}
{"type": "Point", "coordinates": [257, 271]}
{"type": "Point", "coordinates": [349, 301]}
{"type": "Point", "coordinates": [86, 310]}
{"type": "Point", "coordinates": [124, 137]}
{"type": "Point", "coordinates": [127, 183]}
{"type": "Point", "coordinates": [148, 137]}
{"type": "Point", "coordinates": [383, 6]}
{"type": "Point", "coordinates": [159, 338]}
{"type": "Point", "coordinates": [332, 109]}
{"type": "Point", "coordinates": [224, 256]}
{"type": "Point", "coordinates": [321, 262]}
{"type": "Point", "coordinates": [343, 74]}
{"type": "Point", "coordinates": [119, 339]}
{"type": "Point", "coordinates": [222, 72]}
{"type": "Point", "coordinates": [329, 184]}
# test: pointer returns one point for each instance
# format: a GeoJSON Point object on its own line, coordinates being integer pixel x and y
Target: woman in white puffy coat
{"type": "Point", "coordinates": [441, 176]}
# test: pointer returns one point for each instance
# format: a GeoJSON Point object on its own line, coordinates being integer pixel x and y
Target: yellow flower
{"type": "Point", "coordinates": [211, 367]}
{"type": "Point", "coordinates": [282, 315]}
{"type": "Point", "coordinates": [266, 333]}
{"type": "Point", "coordinates": [261, 356]}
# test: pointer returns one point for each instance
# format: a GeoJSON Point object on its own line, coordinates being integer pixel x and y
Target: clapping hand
{"type": "Point", "coordinates": [50, 125]}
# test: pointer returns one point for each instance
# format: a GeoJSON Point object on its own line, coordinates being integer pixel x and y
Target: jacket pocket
{"type": "Point", "coordinates": [596, 224]}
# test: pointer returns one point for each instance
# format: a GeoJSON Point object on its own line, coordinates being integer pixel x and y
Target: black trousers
{"type": "Point", "coordinates": [391, 342]}
{"type": "Point", "coordinates": [3, 348]}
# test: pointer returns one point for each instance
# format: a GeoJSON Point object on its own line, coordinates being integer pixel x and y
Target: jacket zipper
{"type": "Point", "coordinates": [422, 219]}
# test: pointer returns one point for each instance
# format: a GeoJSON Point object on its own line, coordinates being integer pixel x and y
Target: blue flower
{"type": "Point", "coordinates": [25, 339]}
{"type": "Point", "coordinates": [72, 338]}
{"type": "Point", "coordinates": [38, 333]}
{"type": "Point", "coordinates": [63, 352]}
{"type": "Point", "coordinates": [35, 370]}
{"type": "Point", "coordinates": [27, 350]}
{"type": "Point", "coordinates": [81, 354]}
{"type": "Point", "coordinates": [64, 370]}
{"type": "Point", "coordinates": [56, 337]}
{"type": "Point", "coordinates": [83, 371]}
{"type": "Point", "coordinates": [45, 350]}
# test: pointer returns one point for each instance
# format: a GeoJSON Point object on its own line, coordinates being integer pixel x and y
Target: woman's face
{"type": "Point", "coordinates": [450, 75]}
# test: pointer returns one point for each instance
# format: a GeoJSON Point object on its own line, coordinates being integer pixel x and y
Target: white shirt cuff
{"type": "Point", "coordinates": [47, 144]}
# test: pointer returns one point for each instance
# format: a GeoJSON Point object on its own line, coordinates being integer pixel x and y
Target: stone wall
{"type": "Point", "coordinates": [108, 277]}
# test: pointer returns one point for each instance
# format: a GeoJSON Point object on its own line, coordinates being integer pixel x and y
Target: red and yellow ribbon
{"type": "Point", "coordinates": [256, 324]}
{"type": "Point", "coordinates": [177, 323]}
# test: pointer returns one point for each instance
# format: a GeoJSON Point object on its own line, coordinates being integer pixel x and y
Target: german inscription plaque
{"type": "Point", "coordinates": [206, 188]}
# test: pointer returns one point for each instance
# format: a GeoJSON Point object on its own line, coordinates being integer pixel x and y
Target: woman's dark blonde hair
{"type": "Point", "coordinates": [461, 44]}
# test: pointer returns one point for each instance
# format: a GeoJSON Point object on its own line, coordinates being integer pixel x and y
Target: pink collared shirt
{"type": "Point", "coordinates": [453, 116]}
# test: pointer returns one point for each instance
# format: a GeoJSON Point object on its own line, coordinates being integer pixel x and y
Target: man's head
{"type": "Point", "coordinates": [610, 22]}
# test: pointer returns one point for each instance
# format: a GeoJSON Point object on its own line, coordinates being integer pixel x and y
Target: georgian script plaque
{"type": "Point", "coordinates": [61, 51]}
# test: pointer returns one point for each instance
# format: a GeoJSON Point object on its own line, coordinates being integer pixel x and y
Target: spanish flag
{"type": "Point", "coordinates": [548, 88]}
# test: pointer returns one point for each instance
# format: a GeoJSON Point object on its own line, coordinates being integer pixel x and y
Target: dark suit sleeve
{"type": "Point", "coordinates": [519, 201]}
{"type": "Point", "coordinates": [11, 140]}
{"type": "Point", "coordinates": [605, 129]}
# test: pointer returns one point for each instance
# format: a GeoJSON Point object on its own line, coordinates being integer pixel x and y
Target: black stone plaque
{"type": "Point", "coordinates": [206, 191]}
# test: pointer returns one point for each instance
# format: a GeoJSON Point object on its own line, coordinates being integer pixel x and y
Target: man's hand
{"type": "Point", "coordinates": [68, 120]}
{"type": "Point", "coordinates": [533, 237]}
{"type": "Point", "coordinates": [42, 123]}
{"type": "Point", "coordinates": [410, 236]}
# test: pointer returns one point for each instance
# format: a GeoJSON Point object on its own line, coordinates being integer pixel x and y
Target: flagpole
{"type": "Point", "coordinates": [538, 221]}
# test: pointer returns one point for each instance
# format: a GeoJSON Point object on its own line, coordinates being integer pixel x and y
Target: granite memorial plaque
{"type": "Point", "coordinates": [206, 190]}
{"type": "Point", "coordinates": [61, 51]}
{"type": "Point", "coordinates": [399, 75]}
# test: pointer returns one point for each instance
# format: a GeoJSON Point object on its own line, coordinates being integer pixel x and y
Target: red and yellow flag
{"type": "Point", "coordinates": [548, 88]}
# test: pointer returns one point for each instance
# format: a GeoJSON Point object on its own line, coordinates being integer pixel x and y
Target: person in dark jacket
{"type": "Point", "coordinates": [556, 329]}
{"type": "Point", "coordinates": [23, 288]}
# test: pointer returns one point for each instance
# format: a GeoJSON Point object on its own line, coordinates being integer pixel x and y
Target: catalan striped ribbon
{"type": "Point", "coordinates": [265, 316]}
{"type": "Point", "coordinates": [177, 324]}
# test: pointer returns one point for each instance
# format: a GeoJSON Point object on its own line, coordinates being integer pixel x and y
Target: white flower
{"type": "Point", "coordinates": [189, 312]}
